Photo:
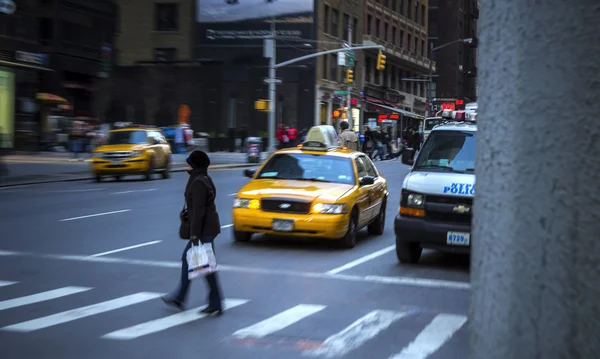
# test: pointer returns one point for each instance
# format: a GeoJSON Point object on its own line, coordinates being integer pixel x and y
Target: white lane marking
{"type": "Point", "coordinates": [5, 283]}
{"type": "Point", "coordinates": [232, 194]}
{"type": "Point", "coordinates": [94, 215]}
{"type": "Point", "coordinates": [226, 226]}
{"type": "Point", "coordinates": [74, 190]}
{"type": "Point", "coordinates": [125, 248]}
{"type": "Point", "coordinates": [83, 312]}
{"type": "Point", "coordinates": [356, 334]}
{"type": "Point", "coordinates": [406, 281]}
{"type": "Point", "coordinates": [362, 260]}
{"type": "Point", "coordinates": [136, 190]}
{"type": "Point", "coordinates": [41, 297]}
{"type": "Point", "coordinates": [8, 253]}
{"type": "Point", "coordinates": [278, 321]}
{"type": "Point", "coordinates": [430, 339]}
{"type": "Point", "coordinates": [157, 325]}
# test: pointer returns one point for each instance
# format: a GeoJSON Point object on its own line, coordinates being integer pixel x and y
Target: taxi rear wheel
{"type": "Point", "coordinates": [377, 227]}
{"type": "Point", "coordinates": [241, 236]}
{"type": "Point", "coordinates": [408, 252]}
{"type": "Point", "coordinates": [349, 240]}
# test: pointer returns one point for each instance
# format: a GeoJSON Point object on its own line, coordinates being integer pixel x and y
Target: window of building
{"type": "Point", "coordinates": [401, 38]}
{"type": "Point", "coordinates": [166, 17]}
{"type": "Point", "coordinates": [333, 67]}
{"type": "Point", "coordinates": [334, 22]}
{"type": "Point", "coordinates": [409, 10]}
{"type": "Point", "coordinates": [324, 67]}
{"type": "Point", "coordinates": [394, 36]}
{"type": "Point", "coordinates": [326, 20]}
{"type": "Point", "coordinates": [394, 5]}
{"type": "Point", "coordinates": [165, 54]}
{"type": "Point", "coordinates": [345, 25]}
{"type": "Point", "coordinates": [401, 7]}
{"type": "Point", "coordinates": [386, 3]}
{"type": "Point", "coordinates": [377, 27]}
{"type": "Point", "coordinates": [369, 24]}
{"type": "Point", "coordinates": [368, 73]}
{"type": "Point", "coordinates": [416, 45]}
{"type": "Point", "coordinates": [416, 11]}
{"type": "Point", "coordinates": [386, 29]}
{"type": "Point", "coordinates": [409, 42]}
{"type": "Point", "coordinates": [354, 30]}
{"type": "Point", "coordinates": [393, 78]}
{"type": "Point", "coordinates": [423, 11]}
{"type": "Point", "coordinates": [46, 30]}
{"type": "Point", "coordinates": [423, 48]}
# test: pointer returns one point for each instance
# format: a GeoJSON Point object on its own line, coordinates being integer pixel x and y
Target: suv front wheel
{"type": "Point", "coordinates": [408, 252]}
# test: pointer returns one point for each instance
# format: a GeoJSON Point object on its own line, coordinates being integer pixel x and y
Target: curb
{"type": "Point", "coordinates": [88, 178]}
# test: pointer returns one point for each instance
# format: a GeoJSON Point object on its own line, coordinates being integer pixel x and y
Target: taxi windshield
{"type": "Point", "coordinates": [127, 138]}
{"type": "Point", "coordinates": [448, 151]}
{"type": "Point", "coordinates": [306, 167]}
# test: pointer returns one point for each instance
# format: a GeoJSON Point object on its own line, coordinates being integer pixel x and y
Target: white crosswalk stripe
{"type": "Point", "coordinates": [161, 324]}
{"type": "Point", "coordinates": [41, 297]}
{"type": "Point", "coordinates": [356, 334]}
{"type": "Point", "coordinates": [74, 314]}
{"type": "Point", "coordinates": [427, 339]}
{"type": "Point", "coordinates": [278, 321]}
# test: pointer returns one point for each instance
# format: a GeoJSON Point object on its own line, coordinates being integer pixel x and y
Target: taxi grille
{"type": "Point", "coordinates": [282, 205]}
{"type": "Point", "coordinates": [117, 155]}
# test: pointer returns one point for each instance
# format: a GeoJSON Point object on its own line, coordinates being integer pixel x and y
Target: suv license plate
{"type": "Point", "coordinates": [283, 225]}
{"type": "Point", "coordinates": [458, 238]}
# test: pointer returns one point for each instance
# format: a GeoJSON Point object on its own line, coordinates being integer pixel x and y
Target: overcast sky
{"type": "Point", "coordinates": [220, 11]}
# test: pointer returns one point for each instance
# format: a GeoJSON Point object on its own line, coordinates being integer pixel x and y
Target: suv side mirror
{"type": "Point", "coordinates": [367, 180]}
{"type": "Point", "coordinates": [250, 172]}
{"type": "Point", "coordinates": [408, 156]}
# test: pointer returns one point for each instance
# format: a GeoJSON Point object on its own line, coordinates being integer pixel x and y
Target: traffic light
{"type": "Point", "coordinates": [380, 61]}
{"type": "Point", "coordinates": [349, 76]}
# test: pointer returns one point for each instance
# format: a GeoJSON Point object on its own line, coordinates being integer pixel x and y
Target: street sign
{"type": "Point", "coordinates": [351, 59]}
{"type": "Point", "coordinates": [341, 59]}
{"type": "Point", "coordinates": [275, 81]}
{"type": "Point", "coordinates": [340, 92]}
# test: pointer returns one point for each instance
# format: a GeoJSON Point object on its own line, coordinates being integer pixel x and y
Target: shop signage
{"type": "Point", "coordinates": [32, 58]}
{"type": "Point", "coordinates": [8, 7]}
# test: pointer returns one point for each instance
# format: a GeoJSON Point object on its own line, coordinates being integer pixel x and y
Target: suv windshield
{"type": "Point", "coordinates": [448, 150]}
{"type": "Point", "coordinates": [305, 167]}
{"type": "Point", "coordinates": [430, 124]}
{"type": "Point", "coordinates": [127, 138]}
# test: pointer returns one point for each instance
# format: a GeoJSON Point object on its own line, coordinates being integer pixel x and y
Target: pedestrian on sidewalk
{"type": "Point", "coordinates": [200, 194]}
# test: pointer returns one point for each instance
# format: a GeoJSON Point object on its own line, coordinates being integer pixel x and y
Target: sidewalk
{"type": "Point", "coordinates": [47, 167]}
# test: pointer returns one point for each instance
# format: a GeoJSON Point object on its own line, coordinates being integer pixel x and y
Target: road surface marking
{"type": "Point", "coordinates": [430, 339]}
{"type": "Point", "coordinates": [361, 260]}
{"type": "Point", "coordinates": [94, 215]}
{"type": "Point", "coordinates": [136, 190]}
{"type": "Point", "coordinates": [232, 194]}
{"type": "Point", "coordinates": [125, 248]}
{"type": "Point", "coordinates": [83, 312]}
{"type": "Point", "coordinates": [74, 190]}
{"type": "Point", "coordinates": [356, 334]}
{"type": "Point", "coordinates": [41, 297]}
{"type": "Point", "coordinates": [226, 226]}
{"type": "Point", "coordinates": [5, 283]}
{"type": "Point", "coordinates": [157, 325]}
{"type": "Point", "coordinates": [406, 281]}
{"type": "Point", "coordinates": [278, 321]}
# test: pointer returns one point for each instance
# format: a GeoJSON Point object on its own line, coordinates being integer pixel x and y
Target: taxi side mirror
{"type": "Point", "coordinates": [408, 156]}
{"type": "Point", "coordinates": [250, 172]}
{"type": "Point", "coordinates": [367, 180]}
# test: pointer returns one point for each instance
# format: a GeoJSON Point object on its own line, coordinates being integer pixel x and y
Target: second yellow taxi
{"type": "Point", "coordinates": [317, 190]}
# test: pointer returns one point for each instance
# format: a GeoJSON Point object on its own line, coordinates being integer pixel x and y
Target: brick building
{"type": "Point", "coordinates": [452, 20]}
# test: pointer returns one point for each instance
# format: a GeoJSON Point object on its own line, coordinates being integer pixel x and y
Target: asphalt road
{"type": "Point", "coordinates": [82, 265]}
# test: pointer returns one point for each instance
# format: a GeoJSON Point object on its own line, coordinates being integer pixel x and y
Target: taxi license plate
{"type": "Point", "coordinates": [458, 238]}
{"type": "Point", "coordinates": [283, 225]}
{"type": "Point", "coordinates": [116, 162]}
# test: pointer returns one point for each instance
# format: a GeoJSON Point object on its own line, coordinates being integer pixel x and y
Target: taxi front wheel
{"type": "Point", "coordinates": [349, 240]}
{"type": "Point", "coordinates": [241, 236]}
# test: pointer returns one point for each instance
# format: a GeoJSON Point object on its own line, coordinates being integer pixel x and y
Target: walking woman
{"type": "Point", "coordinates": [200, 194]}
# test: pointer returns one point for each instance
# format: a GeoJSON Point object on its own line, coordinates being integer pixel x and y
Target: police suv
{"type": "Point", "coordinates": [437, 194]}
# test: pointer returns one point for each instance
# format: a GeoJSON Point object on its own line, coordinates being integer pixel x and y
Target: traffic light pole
{"type": "Point", "coordinates": [270, 48]}
{"type": "Point", "coordinates": [349, 112]}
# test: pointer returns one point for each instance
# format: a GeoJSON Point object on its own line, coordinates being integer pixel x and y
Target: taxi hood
{"type": "Point", "coordinates": [122, 147]}
{"type": "Point", "coordinates": [305, 190]}
{"type": "Point", "coordinates": [441, 183]}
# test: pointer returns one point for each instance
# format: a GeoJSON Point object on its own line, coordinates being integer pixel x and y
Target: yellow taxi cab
{"type": "Point", "coordinates": [132, 151]}
{"type": "Point", "coordinates": [317, 190]}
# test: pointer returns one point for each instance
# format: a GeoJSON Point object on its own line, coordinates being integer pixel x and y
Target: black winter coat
{"type": "Point", "coordinates": [200, 194]}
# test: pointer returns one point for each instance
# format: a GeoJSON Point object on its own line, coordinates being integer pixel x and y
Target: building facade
{"type": "Point", "coordinates": [51, 55]}
{"type": "Point", "coordinates": [397, 95]}
{"type": "Point", "coordinates": [450, 22]}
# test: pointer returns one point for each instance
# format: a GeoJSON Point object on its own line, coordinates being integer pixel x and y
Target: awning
{"type": "Point", "coordinates": [18, 64]}
{"type": "Point", "coordinates": [405, 113]}
{"type": "Point", "coordinates": [48, 97]}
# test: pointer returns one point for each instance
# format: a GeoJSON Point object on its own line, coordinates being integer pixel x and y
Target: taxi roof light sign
{"type": "Point", "coordinates": [320, 138]}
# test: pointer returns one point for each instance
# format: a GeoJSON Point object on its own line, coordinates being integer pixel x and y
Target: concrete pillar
{"type": "Point", "coordinates": [329, 109]}
{"type": "Point", "coordinates": [536, 245]}
{"type": "Point", "coordinates": [318, 96]}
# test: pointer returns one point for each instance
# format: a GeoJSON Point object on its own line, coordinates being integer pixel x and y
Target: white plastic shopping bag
{"type": "Point", "coordinates": [201, 260]}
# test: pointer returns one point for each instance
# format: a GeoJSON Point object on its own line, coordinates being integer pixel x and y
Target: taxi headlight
{"type": "Point", "coordinates": [137, 153]}
{"type": "Point", "coordinates": [326, 208]}
{"type": "Point", "coordinates": [97, 154]}
{"type": "Point", "coordinates": [246, 203]}
{"type": "Point", "coordinates": [414, 200]}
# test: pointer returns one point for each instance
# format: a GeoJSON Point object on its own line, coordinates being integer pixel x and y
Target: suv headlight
{"type": "Point", "coordinates": [414, 200]}
{"type": "Point", "coordinates": [137, 153]}
{"type": "Point", "coordinates": [326, 208]}
{"type": "Point", "coordinates": [246, 203]}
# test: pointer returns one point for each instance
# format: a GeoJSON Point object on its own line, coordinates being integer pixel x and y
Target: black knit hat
{"type": "Point", "coordinates": [344, 125]}
{"type": "Point", "coordinates": [198, 159]}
